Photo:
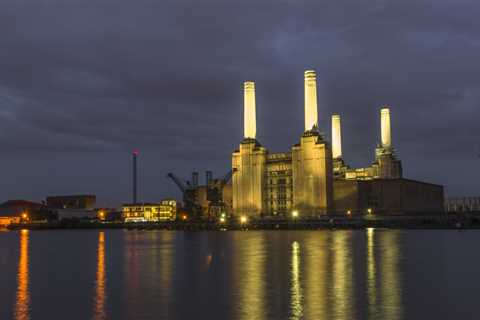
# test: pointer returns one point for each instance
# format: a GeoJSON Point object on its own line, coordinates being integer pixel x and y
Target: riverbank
{"type": "Point", "coordinates": [444, 221]}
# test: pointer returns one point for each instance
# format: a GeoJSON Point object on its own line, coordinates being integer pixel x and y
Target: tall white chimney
{"type": "Point", "coordinates": [385, 127]}
{"type": "Point", "coordinates": [336, 137]}
{"type": "Point", "coordinates": [311, 115]}
{"type": "Point", "coordinates": [250, 126]}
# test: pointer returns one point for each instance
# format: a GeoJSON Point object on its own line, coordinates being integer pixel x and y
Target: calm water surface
{"type": "Point", "coordinates": [117, 274]}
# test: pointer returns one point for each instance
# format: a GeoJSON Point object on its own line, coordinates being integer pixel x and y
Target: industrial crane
{"type": "Point", "coordinates": [189, 196]}
{"type": "Point", "coordinates": [215, 194]}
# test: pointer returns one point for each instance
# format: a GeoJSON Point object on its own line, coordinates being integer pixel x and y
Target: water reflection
{"type": "Point", "coordinates": [316, 272]}
{"type": "Point", "coordinates": [296, 306]}
{"type": "Point", "coordinates": [100, 283]}
{"type": "Point", "coordinates": [371, 273]}
{"type": "Point", "coordinates": [132, 261]}
{"type": "Point", "coordinates": [22, 304]}
{"type": "Point", "coordinates": [252, 272]}
{"type": "Point", "coordinates": [343, 303]}
{"type": "Point", "coordinates": [383, 275]}
{"type": "Point", "coordinates": [391, 285]}
{"type": "Point", "coordinates": [166, 259]}
{"type": "Point", "coordinates": [149, 274]}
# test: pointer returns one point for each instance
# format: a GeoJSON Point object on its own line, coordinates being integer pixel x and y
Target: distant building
{"type": "Point", "coordinates": [109, 214]}
{"type": "Point", "coordinates": [87, 214]}
{"type": "Point", "coordinates": [15, 211]}
{"type": "Point", "coordinates": [72, 202]}
{"type": "Point", "coordinates": [166, 210]}
{"type": "Point", "coordinates": [462, 204]}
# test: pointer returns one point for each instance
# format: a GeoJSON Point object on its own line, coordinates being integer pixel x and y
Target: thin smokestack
{"type": "Point", "coordinates": [195, 179]}
{"type": "Point", "coordinates": [134, 177]}
{"type": "Point", "coordinates": [311, 113]}
{"type": "Point", "coordinates": [336, 137]}
{"type": "Point", "coordinates": [385, 127]}
{"type": "Point", "coordinates": [208, 177]}
{"type": "Point", "coordinates": [250, 125]}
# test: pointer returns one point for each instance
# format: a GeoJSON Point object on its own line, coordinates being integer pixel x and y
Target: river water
{"type": "Point", "coordinates": [347, 274]}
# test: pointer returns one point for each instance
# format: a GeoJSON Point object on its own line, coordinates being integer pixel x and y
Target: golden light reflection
{"type": "Point", "coordinates": [343, 281]}
{"type": "Point", "coordinates": [296, 301]}
{"type": "Point", "coordinates": [252, 268]}
{"type": "Point", "coordinates": [391, 284]}
{"type": "Point", "coordinates": [316, 274]}
{"type": "Point", "coordinates": [100, 283]}
{"type": "Point", "coordinates": [371, 273]}
{"type": "Point", "coordinates": [22, 304]}
{"type": "Point", "coordinates": [384, 274]}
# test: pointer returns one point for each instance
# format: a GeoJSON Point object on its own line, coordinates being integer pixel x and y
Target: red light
{"type": "Point", "coordinates": [135, 152]}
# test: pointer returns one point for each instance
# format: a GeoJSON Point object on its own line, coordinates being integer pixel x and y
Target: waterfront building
{"type": "Point", "coordinates": [165, 210]}
{"type": "Point", "coordinates": [75, 213]}
{"type": "Point", "coordinates": [313, 179]}
{"type": "Point", "coordinates": [275, 184]}
{"type": "Point", "coordinates": [72, 202]}
{"type": "Point", "coordinates": [16, 211]}
{"type": "Point", "coordinates": [462, 204]}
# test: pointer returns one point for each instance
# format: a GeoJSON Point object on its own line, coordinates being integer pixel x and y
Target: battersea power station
{"type": "Point", "coordinates": [312, 178]}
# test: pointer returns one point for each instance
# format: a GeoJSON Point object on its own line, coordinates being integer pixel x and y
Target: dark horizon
{"type": "Point", "coordinates": [84, 85]}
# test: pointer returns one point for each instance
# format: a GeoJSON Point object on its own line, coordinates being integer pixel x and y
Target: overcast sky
{"type": "Point", "coordinates": [83, 83]}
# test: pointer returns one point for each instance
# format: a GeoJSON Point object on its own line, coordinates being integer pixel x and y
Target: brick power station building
{"type": "Point", "coordinates": [312, 177]}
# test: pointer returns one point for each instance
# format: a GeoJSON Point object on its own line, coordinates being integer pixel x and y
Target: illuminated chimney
{"type": "Point", "coordinates": [385, 127]}
{"type": "Point", "coordinates": [336, 137]}
{"type": "Point", "coordinates": [250, 126]}
{"type": "Point", "coordinates": [311, 115]}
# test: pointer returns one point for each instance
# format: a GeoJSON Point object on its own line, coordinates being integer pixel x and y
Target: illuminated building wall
{"type": "Point", "coordinates": [271, 184]}
{"type": "Point", "coordinates": [5, 221]}
{"type": "Point", "coordinates": [312, 175]}
{"type": "Point", "coordinates": [249, 180]}
{"type": "Point", "coordinates": [166, 210]}
{"type": "Point", "coordinates": [278, 189]}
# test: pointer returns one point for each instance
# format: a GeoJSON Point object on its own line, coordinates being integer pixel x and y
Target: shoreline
{"type": "Point", "coordinates": [445, 221]}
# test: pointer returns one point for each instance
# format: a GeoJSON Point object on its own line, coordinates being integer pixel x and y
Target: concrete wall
{"type": "Point", "coordinates": [387, 196]}
{"type": "Point", "coordinates": [249, 180]}
{"type": "Point", "coordinates": [312, 174]}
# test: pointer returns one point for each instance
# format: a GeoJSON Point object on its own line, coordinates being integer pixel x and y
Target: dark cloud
{"type": "Point", "coordinates": [82, 83]}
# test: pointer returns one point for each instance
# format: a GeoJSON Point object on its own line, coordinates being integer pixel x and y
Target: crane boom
{"type": "Point", "coordinates": [177, 181]}
{"type": "Point", "coordinates": [228, 176]}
